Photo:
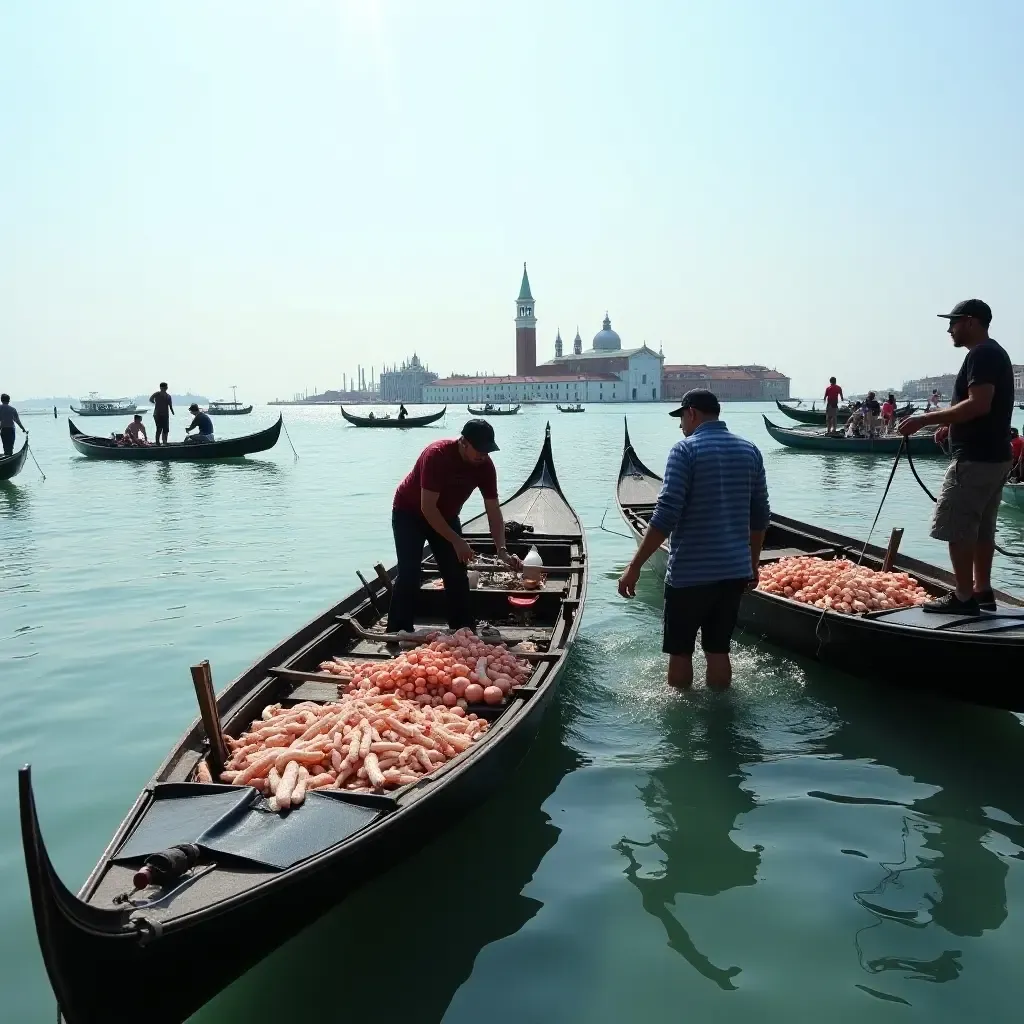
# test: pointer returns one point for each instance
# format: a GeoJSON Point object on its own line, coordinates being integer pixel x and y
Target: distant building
{"type": "Point", "coordinates": [564, 389]}
{"type": "Point", "coordinates": [923, 386]}
{"type": "Point", "coordinates": [405, 383]}
{"type": "Point", "coordinates": [729, 383]}
{"type": "Point", "coordinates": [1018, 381]}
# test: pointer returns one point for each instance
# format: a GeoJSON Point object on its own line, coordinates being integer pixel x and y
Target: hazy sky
{"type": "Point", "coordinates": [268, 193]}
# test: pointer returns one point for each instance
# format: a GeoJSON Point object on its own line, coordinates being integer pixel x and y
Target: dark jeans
{"type": "Point", "coordinates": [7, 437]}
{"type": "Point", "coordinates": [412, 531]}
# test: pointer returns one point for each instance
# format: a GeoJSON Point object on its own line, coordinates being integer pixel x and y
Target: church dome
{"type": "Point", "coordinates": [606, 340]}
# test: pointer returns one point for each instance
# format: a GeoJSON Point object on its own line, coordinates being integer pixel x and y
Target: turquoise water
{"type": "Point", "coordinates": [804, 846]}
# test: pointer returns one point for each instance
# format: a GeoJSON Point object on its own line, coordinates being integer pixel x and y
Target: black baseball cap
{"type": "Point", "coordinates": [701, 400]}
{"type": "Point", "coordinates": [981, 311]}
{"type": "Point", "coordinates": [480, 434]}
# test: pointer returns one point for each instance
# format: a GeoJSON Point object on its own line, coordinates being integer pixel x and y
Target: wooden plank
{"type": "Point", "coordinates": [301, 677]}
{"type": "Point", "coordinates": [383, 576]}
{"type": "Point", "coordinates": [893, 549]}
{"type": "Point", "coordinates": [202, 680]}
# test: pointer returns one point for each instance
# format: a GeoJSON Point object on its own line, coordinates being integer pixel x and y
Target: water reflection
{"type": "Point", "coordinates": [14, 500]}
{"type": "Point", "coordinates": [695, 799]}
{"type": "Point", "coordinates": [452, 898]}
{"type": "Point", "coordinates": [954, 866]}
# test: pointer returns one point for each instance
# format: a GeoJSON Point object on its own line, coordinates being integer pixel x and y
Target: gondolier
{"type": "Point", "coordinates": [9, 418]}
{"type": "Point", "coordinates": [163, 410]}
{"type": "Point", "coordinates": [426, 511]}
{"type": "Point", "coordinates": [714, 505]}
{"type": "Point", "coordinates": [977, 425]}
{"type": "Point", "coordinates": [832, 395]}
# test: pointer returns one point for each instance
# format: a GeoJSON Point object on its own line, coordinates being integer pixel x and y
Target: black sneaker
{"type": "Point", "coordinates": [952, 605]}
{"type": "Point", "coordinates": [986, 600]}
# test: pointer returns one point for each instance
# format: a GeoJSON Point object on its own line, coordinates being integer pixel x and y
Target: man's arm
{"type": "Point", "coordinates": [760, 516]}
{"type": "Point", "coordinates": [432, 514]}
{"type": "Point", "coordinates": [17, 419]}
{"type": "Point", "coordinates": [170, 403]}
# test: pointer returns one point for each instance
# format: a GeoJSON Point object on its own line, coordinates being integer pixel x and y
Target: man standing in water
{"type": "Point", "coordinates": [977, 424]}
{"type": "Point", "coordinates": [426, 510]}
{"type": "Point", "coordinates": [8, 419]}
{"type": "Point", "coordinates": [163, 410]}
{"type": "Point", "coordinates": [832, 395]}
{"type": "Point", "coordinates": [714, 506]}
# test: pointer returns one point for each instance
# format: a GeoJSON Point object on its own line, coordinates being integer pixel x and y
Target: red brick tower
{"type": "Point", "coordinates": [526, 331]}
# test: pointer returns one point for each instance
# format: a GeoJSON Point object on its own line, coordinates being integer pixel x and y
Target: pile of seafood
{"type": "Point", "coordinates": [839, 585]}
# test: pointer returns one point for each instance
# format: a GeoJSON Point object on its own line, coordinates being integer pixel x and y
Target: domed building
{"type": "Point", "coordinates": [606, 340]}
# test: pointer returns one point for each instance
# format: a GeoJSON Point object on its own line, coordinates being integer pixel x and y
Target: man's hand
{"type": "Point", "coordinates": [628, 581]}
{"type": "Point", "coordinates": [911, 425]}
{"type": "Point", "coordinates": [512, 561]}
{"type": "Point", "coordinates": [463, 552]}
{"type": "Point", "coordinates": [941, 435]}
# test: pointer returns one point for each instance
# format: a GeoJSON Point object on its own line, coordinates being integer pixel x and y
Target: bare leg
{"type": "Point", "coordinates": [962, 555]}
{"type": "Point", "coordinates": [680, 671]}
{"type": "Point", "coordinates": [984, 551]}
{"type": "Point", "coordinates": [719, 671]}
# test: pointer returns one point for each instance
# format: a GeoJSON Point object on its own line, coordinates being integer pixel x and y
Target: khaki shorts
{"type": "Point", "coordinates": [969, 501]}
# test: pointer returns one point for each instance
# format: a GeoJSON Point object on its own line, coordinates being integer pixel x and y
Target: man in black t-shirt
{"type": "Point", "coordinates": [977, 424]}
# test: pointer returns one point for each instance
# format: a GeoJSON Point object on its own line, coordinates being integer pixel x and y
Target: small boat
{"type": "Point", "coordinates": [232, 408]}
{"type": "Point", "coordinates": [922, 444]}
{"type": "Point", "coordinates": [96, 406]}
{"type": "Point", "coordinates": [392, 421]}
{"type": "Point", "coordinates": [263, 876]}
{"type": "Point", "coordinates": [570, 408]}
{"type": "Point", "coordinates": [1013, 495]}
{"type": "Point", "coordinates": [971, 658]}
{"type": "Point", "coordinates": [816, 417]}
{"type": "Point", "coordinates": [228, 448]}
{"type": "Point", "coordinates": [493, 410]}
{"type": "Point", "coordinates": [11, 465]}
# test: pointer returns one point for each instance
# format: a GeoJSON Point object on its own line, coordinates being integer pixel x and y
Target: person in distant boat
{"type": "Point", "coordinates": [402, 412]}
{"type": "Point", "coordinates": [1017, 454]}
{"type": "Point", "coordinates": [872, 414]}
{"type": "Point", "coordinates": [832, 395]}
{"type": "Point", "coordinates": [888, 413]}
{"type": "Point", "coordinates": [200, 422]}
{"type": "Point", "coordinates": [9, 418]}
{"type": "Point", "coordinates": [371, 416]}
{"type": "Point", "coordinates": [977, 426]}
{"type": "Point", "coordinates": [132, 431]}
{"type": "Point", "coordinates": [163, 410]}
{"type": "Point", "coordinates": [934, 399]}
{"type": "Point", "coordinates": [426, 510]}
{"type": "Point", "coordinates": [55, 412]}
{"type": "Point", "coordinates": [714, 506]}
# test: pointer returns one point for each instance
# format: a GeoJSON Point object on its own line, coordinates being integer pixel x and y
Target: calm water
{"type": "Point", "coordinates": [804, 847]}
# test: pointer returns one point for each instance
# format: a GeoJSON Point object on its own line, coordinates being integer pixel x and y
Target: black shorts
{"type": "Point", "coordinates": [162, 422]}
{"type": "Point", "coordinates": [710, 607]}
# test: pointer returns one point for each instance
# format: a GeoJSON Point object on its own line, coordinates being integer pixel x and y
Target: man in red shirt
{"type": "Point", "coordinates": [426, 511]}
{"type": "Point", "coordinates": [832, 395]}
{"type": "Point", "coordinates": [1017, 454]}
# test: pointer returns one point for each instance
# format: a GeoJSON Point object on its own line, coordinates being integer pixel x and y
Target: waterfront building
{"type": "Point", "coordinates": [751, 383]}
{"type": "Point", "coordinates": [405, 383]}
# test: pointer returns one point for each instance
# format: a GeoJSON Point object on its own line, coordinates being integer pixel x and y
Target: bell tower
{"type": "Point", "coordinates": [526, 331]}
{"type": "Point", "coordinates": [558, 345]}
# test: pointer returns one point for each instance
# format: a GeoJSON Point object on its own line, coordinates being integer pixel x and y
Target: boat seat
{"type": "Point", "coordinates": [774, 554]}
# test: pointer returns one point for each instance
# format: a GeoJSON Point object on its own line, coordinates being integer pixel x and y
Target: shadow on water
{"type": "Point", "coordinates": [442, 906]}
{"type": "Point", "coordinates": [14, 500]}
{"type": "Point", "coordinates": [694, 799]}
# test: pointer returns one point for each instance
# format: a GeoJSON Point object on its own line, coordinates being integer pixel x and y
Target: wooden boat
{"type": "Point", "coordinates": [392, 421]}
{"type": "Point", "coordinates": [228, 448]}
{"type": "Point", "coordinates": [1013, 495]}
{"type": "Point", "coordinates": [12, 465]}
{"type": "Point", "coordinates": [493, 410]}
{"type": "Point", "coordinates": [570, 408]}
{"type": "Point", "coordinates": [816, 417]}
{"type": "Point", "coordinates": [232, 408]}
{"type": "Point", "coordinates": [265, 876]}
{"type": "Point", "coordinates": [96, 406]}
{"type": "Point", "coordinates": [972, 658]}
{"type": "Point", "coordinates": [921, 445]}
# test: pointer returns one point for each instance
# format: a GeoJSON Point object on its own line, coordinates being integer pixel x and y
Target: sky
{"type": "Point", "coordinates": [269, 194]}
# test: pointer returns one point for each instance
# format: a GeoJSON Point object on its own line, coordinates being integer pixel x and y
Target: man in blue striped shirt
{"type": "Point", "coordinates": [714, 506]}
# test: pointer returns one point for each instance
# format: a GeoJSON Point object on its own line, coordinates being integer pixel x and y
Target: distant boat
{"type": "Point", "coordinates": [373, 420]}
{"type": "Point", "coordinates": [493, 410]}
{"type": "Point", "coordinates": [96, 406]}
{"type": "Point", "coordinates": [570, 408]}
{"type": "Point", "coordinates": [232, 408]}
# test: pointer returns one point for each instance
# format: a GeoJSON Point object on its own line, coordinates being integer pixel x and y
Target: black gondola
{"type": "Point", "coordinates": [570, 408]}
{"type": "Point", "coordinates": [816, 417]}
{"type": "Point", "coordinates": [248, 893]}
{"type": "Point", "coordinates": [493, 410]}
{"type": "Point", "coordinates": [392, 421]}
{"type": "Point", "coordinates": [12, 465]}
{"type": "Point", "coordinates": [177, 451]}
{"type": "Point", "coordinates": [972, 658]}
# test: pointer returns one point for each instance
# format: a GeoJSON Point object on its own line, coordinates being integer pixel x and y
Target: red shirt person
{"type": "Point", "coordinates": [832, 395]}
{"type": "Point", "coordinates": [426, 511]}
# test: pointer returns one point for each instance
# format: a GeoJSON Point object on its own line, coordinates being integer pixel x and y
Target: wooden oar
{"type": "Point", "coordinates": [307, 677]}
{"type": "Point", "coordinates": [202, 679]}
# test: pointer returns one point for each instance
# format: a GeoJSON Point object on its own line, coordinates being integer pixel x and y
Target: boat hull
{"type": "Point", "coordinates": [229, 448]}
{"type": "Point", "coordinates": [394, 422]}
{"type": "Point", "coordinates": [816, 417]}
{"type": "Point", "coordinates": [560, 409]}
{"type": "Point", "coordinates": [492, 412]}
{"type": "Point", "coordinates": [12, 465]}
{"type": "Point", "coordinates": [1013, 495]}
{"type": "Point", "coordinates": [920, 445]}
{"type": "Point", "coordinates": [129, 411]}
{"type": "Point", "coordinates": [242, 411]}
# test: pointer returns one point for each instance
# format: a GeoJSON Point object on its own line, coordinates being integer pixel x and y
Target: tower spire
{"type": "Point", "coordinates": [526, 331]}
{"type": "Point", "coordinates": [577, 343]}
{"type": "Point", "coordinates": [558, 344]}
{"type": "Point", "coordinates": [524, 289]}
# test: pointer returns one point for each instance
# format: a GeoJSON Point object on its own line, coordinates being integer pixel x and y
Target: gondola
{"type": "Point", "coordinates": [802, 439]}
{"type": "Point", "coordinates": [229, 448]}
{"type": "Point", "coordinates": [264, 876]}
{"type": "Point", "coordinates": [228, 409]}
{"type": "Point", "coordinates": [1013, 495]}
{"type": "Point", "coordinates": [816, 417]}
{"type": "Point", "coordinates": [392, 421]}
{"type": "Point", "coordinates": [571, 408]}
{"type": "Point", "coordinates": [970, 658]}
{"type": "Point", "coordinates": [12, 465]}
{"type": "Point", "coordinates": [493, 410]}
